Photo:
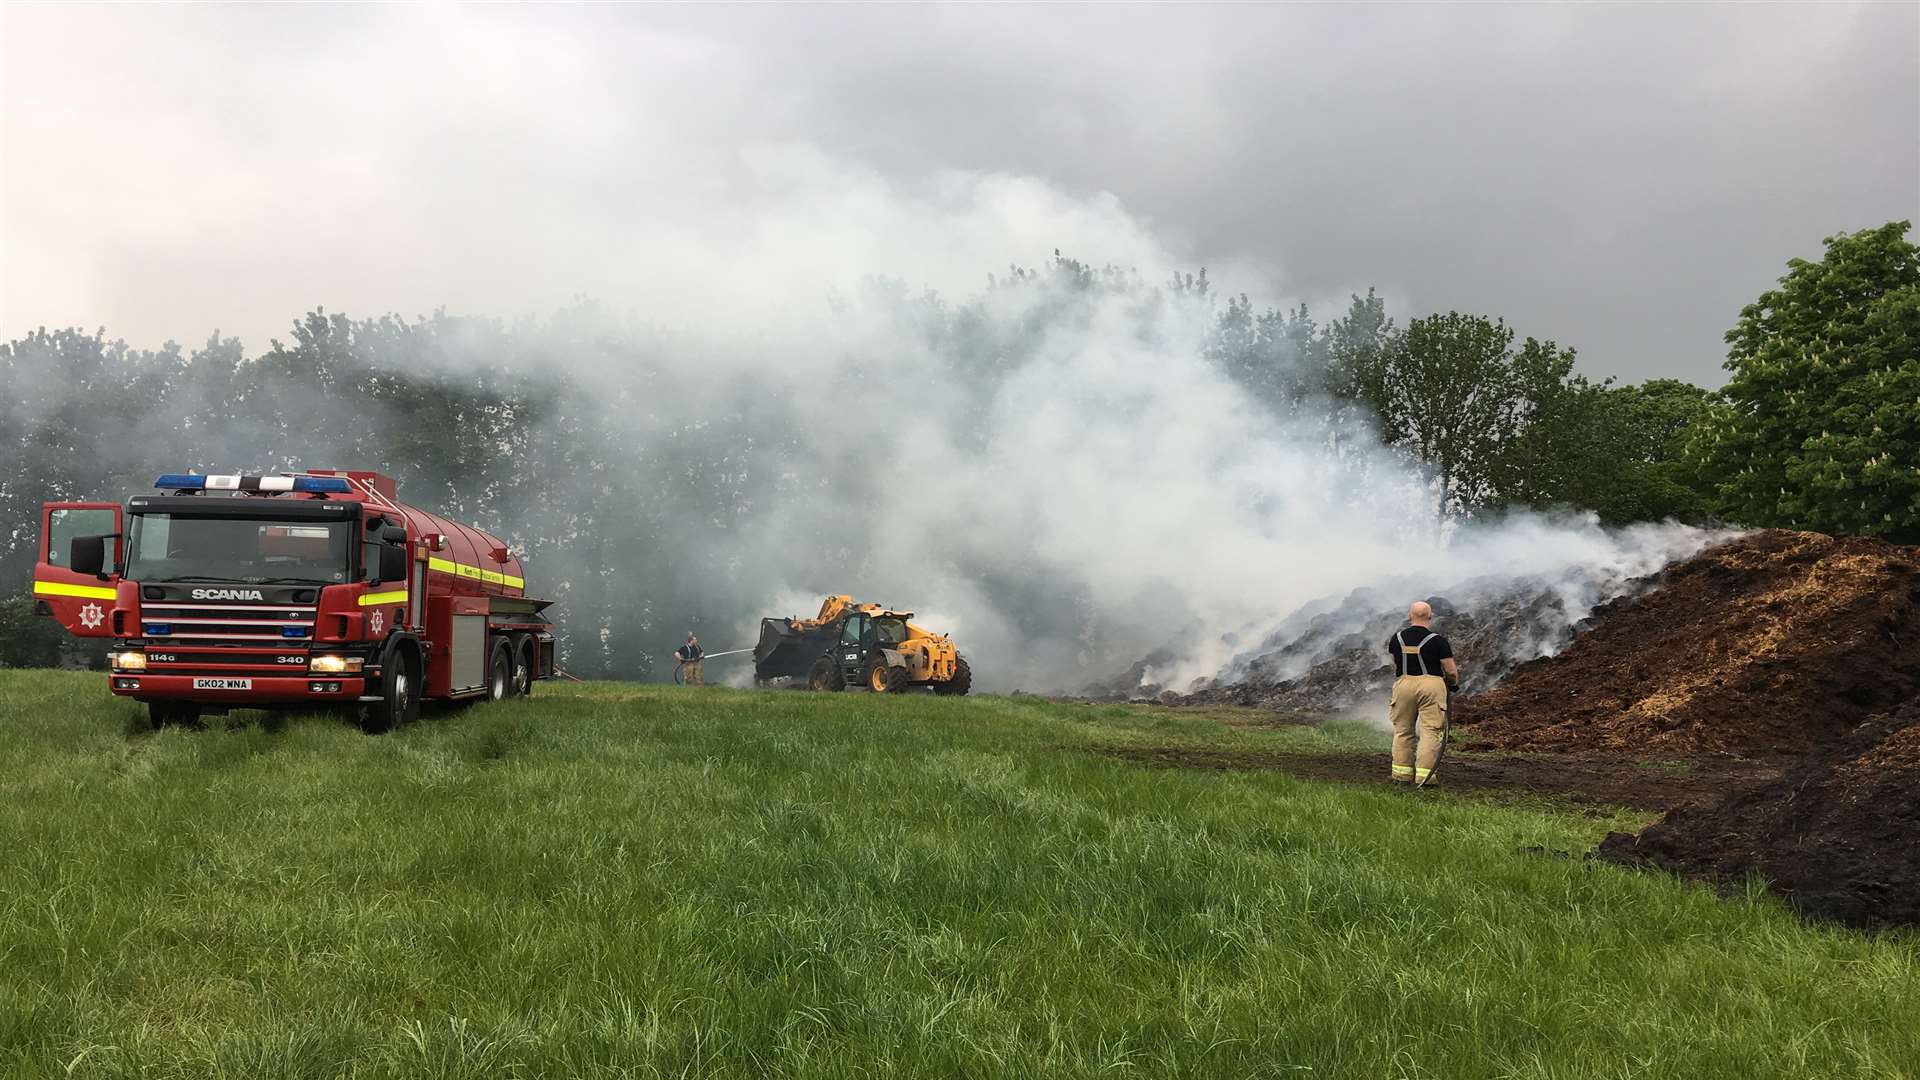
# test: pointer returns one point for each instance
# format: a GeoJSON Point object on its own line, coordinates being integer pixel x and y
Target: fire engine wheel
{"type": "Point", "coordinates": [961, 682]}
{"type": "Point", "coordinates": [399, 696]}
{"type": "Point", "coordinates": [500, 672]}
{"type": "Point", "coordinates": [172, 714]}
{"type": "Point", "coordinates": [825, 675]}
{"type": "Point", "coordinates": [883, 678]}
{"type": "Point", "coordinates": [523, 667]}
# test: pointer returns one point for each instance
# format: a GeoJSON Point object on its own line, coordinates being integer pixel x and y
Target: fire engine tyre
{"type": "Point", "coordinates": [523, 667]}
{"type": "Point", "coordinates": [961, 682]}
{"type": "Point", "coordinates": [172, 714]}
{"type": "Point", "coordinates": [825, 675]}
{"type": "Point", "coordinates": [884, 678]}
{"type": "Point", "coordinates": [500, 672]}
{"type": "Point", "coordinates": [399, 695]}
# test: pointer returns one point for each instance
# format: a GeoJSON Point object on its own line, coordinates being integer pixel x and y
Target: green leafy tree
{"type": "Point", "coordinates": [1821, 425]}
{"type": "Point", "coordinates": [1553, 444]}
{"type": "Point", "coordinates": [1280, 357]}
{"type": "Point", "coordinates": [1652, 480]}
{"type": "Point", "coordinates": [1359, 346]}
{"type": "Point", "coordinates": [1447, 390]}
{"type": "Point", "coordinates": [1614, 450]}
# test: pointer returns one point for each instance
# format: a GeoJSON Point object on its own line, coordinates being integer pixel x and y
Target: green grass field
{"type": "Point", "coordinates": [623, 881]}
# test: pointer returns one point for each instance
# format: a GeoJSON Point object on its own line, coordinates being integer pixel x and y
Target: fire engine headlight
{"type": "Point", "coordinates": [129, 661]}
{"type": "Point", "coordinates": [335, 665]}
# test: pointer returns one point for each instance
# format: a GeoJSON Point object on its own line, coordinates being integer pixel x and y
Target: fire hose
{"type": "Point", "coordinates": [1446, 732]}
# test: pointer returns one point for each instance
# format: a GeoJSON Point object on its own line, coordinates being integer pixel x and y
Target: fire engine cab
{"type": "Point", "coordinates": [306, 589]}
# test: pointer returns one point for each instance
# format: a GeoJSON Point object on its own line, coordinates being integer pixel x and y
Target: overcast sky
{"type": "Point", "coordinates": [1621, 178]}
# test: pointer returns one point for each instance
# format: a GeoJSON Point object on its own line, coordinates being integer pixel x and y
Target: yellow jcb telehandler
{"type": "Point", "coordinates": [851, 644]}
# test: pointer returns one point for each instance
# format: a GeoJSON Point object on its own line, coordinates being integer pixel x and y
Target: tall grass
{"type": "Point", "coordinates": [617, 881]}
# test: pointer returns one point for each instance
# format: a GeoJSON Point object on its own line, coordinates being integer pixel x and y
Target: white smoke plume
{"type": "Point", "coordinates": [1060, 480]}
{"type": "Point", "coordinates": [1070, 490]}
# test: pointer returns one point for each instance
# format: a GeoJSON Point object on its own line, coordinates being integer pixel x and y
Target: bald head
{"type": "Point", "coordinates": [1420, 613]}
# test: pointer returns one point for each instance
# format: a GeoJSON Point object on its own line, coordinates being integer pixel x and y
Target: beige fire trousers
{"type": "Point", "coordinates": [1418, 699]}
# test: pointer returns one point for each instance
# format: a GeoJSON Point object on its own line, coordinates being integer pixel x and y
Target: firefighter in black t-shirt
{"type": "Point", "coordinates": [690, 655]}
{"type": "Point", "coordinates": [1424, 674]}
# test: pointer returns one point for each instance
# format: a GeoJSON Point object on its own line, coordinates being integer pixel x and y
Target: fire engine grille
{"type": "Point", "coordinates": [224, 624]}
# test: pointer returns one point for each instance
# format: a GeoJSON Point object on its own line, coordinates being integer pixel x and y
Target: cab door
{"type": "Point", "coordinates": [851, 650]}
{"type": "Point", "coordinates": [82, 602]}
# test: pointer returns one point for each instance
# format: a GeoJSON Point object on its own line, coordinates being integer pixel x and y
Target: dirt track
{"type": "Point", "coordinates": [1597, 781]}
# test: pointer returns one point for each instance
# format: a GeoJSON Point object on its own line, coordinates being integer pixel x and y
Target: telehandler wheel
{"type": "Point", "coordinates": [500, 672]}
{"type": "Point", "coordinates": [399, 695]}
{"type": "Point", "coordinates": [825, 675]}
{"type": "Point", "coordinates": [883, 678]}
{"type": "Point", "coordinates": [961, 682]}
{"type": "Point", "coordinates": [523, 668]}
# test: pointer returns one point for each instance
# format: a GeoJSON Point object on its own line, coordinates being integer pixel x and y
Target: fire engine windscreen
{"type": "Point", "coordinates": [181, 547]}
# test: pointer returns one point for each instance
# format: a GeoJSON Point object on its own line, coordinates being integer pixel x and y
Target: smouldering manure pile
{"type": "Point", "coordinates": [1765, 646]}
{"type": "Point", "coordinates": [1773, 645]}
{"type": "Point", "coordinates": [1774, 650]}
{"type": "Point", "coordinates": [1327, 658]}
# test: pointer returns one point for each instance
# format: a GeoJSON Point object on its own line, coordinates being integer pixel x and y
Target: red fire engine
{"type": "Point", "coordinates": [305, 589]}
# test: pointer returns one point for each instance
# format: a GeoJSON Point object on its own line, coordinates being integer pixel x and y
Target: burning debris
{"type": "Point", "coordinates": [1327, 658]}
{"type": "Point", "coordinates": [1767, 646]}
{"type": "Point", "coordinates": [1774, 650]}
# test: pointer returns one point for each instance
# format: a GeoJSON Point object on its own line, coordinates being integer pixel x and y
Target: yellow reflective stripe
{"type": "Point", "coordinates": [1403, 770]}
{"type": "Point", "coordinates": [1422, 773]}
{"type": "Point", "coordinates": [448, 566]}
{"type": "Point", "coordinates": [392, 596]}
{"type": "Point", "coordinates": [61, 588]}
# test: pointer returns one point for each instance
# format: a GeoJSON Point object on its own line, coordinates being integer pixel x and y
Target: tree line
{"type": "Point", "coordinates": [1817, 427]}
{"type": "Point", "coordinates": [628, 496]}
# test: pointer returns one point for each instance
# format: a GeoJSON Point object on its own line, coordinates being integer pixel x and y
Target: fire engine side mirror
{"type": "Point", "coordinates": [88, 555]}
{"type": "Point", "coordinates": [393, 564]}
{"type": "Point", "coordinates": [394, 534]}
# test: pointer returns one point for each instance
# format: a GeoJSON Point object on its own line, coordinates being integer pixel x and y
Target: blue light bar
{"type": "Point", "coordinates": [293, 631]}
{"type": "Point", "coordinates": [319, 485]}
{"type": "Point", "coordinates": [157, 628]}
{"type": "Point", "coordinates": [335, 484]}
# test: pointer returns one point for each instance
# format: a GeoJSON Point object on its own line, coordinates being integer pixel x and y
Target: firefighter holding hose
{"type": "Point", "coordinates": [690, 655]}
{"type": "Point", "coordinates": [1424, 674]}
